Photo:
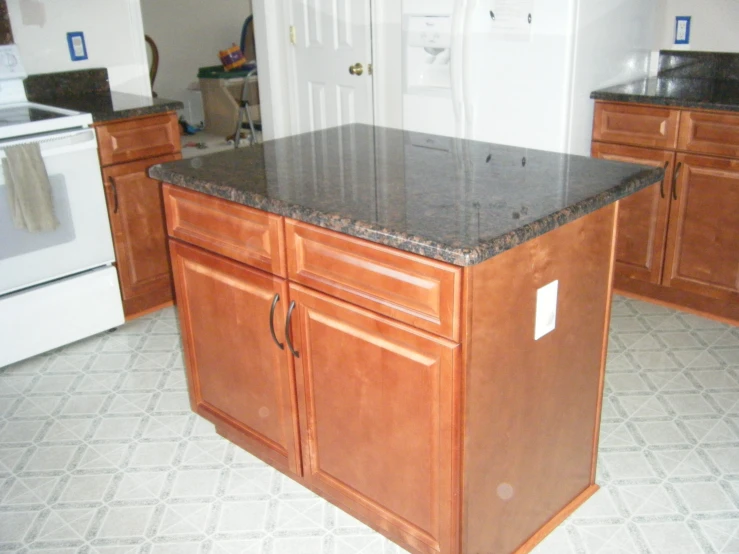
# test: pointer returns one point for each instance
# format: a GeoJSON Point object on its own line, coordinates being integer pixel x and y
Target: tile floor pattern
{"type": "Point", "coordinates": [99, 453]}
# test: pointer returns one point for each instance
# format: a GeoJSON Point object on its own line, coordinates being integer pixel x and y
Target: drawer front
{"type": "Point", "coordinates": [709, 133]}
{"type": "Point", "coordinates": [244, 234]}
{"type": "Point", "coordinates": [636, 125]}
{"type": "Point", "coordinates": [406, 287]}
{"type": "Point", "coordinates": [135, 139]}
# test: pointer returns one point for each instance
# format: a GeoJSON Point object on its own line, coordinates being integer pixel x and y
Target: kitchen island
{"type": "Point", "coordinates": [360, 309]}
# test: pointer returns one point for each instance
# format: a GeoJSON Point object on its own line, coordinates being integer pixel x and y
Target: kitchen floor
{"type": "Point", "coordinates": [99, 453]}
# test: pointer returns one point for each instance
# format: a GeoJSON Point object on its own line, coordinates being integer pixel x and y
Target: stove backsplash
{"type": "Point", "coordinates": [6, 33]}
{"type": "Point", "coordinates": [45, 87]}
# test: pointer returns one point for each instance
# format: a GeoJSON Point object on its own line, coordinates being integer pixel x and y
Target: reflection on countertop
{"type": "Point", "coordinates": [459, 201]}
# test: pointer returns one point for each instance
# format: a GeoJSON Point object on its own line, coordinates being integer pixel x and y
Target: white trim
{"type": "Point", "coordinates": [136, 27]}
{"type": "Point", "coordinates": [40, 319]}
{"type": "Point", "coordinates": [271, 33]}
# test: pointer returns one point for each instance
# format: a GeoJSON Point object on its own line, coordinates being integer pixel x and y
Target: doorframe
{"type": "Point", "coordinates": [271, 34]}
{"type": "Point", "coordinates": [278, 75]}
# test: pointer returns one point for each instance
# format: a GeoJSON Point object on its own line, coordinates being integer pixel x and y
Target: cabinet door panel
{"type": "Point", "coordinates": [237, 375]}
{"type": "Point", "coordinates": [138, 138]}
{"type": "Point", "coordinates": [709, 133]}
{"type": "Point", "coordinates": [378, 402]}
{"type": "Point", "coordinates": [703, 239]}
{"type": "Point", "coordinates": [139, 232]}
{"type": "Point", "coordinates": [636, 125]}
{"type": "Point", "coordinates": [642, 217]}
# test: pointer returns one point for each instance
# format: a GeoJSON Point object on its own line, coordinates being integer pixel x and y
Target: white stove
{"type": "Point", "coordinates": [56, 286]}
{"type": "Point", "coordinates": [29, 118]}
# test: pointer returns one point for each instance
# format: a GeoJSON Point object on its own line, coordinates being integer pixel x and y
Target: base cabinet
{"type": "Point", "coordinates": [238, 377]}
{"type": "Point", "coordinates": [127, 149]}
{"type": "Point", "coordinates": [678, 241]}
{"type": "Point", "coordinates": [642, 217]}
{"type": "Point", "coordinates": [386, 458]}
{"type": "Point", "coordinates": [313, 350]}
{"type": "Point", "coordinates": [139, 236]}
{"type": "Point", "coordinates": [703, 239]}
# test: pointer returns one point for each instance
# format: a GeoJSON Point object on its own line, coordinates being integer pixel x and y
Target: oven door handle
{"type": "Point", "coordinates": [111, 180]}
{"type": "Point", "coordinates": [56, 144]}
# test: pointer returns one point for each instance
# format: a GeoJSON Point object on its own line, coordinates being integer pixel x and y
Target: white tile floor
{"type": "Point", "coordinates": [99, 453]}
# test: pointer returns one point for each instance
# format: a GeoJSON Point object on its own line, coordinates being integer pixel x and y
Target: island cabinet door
{"type": "Point", "coordinates": [642, 217]}
{"type": "Point", "coordinates": [703, 240]}
{"type": "Point", "coordinates": [378, 405]}
{"type": "Point", "coordinates": [238, 376]}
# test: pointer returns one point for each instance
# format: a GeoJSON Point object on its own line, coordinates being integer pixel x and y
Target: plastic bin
{"type": "Point", "coordinates": [221, 92]}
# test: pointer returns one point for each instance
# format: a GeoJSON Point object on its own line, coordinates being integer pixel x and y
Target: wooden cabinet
{"type": "Point", "coordinates": [390, 460]}
{"type": "Point", "coordinates": [642, 217]}
{"type": "Point", "coordinates": [139, 236]}
{"type": "Point", "coordinates": [239, 377]}
{"type": "Point", "coordinates": [409, 392]}
{"type": "Point", "coordinates": [678, 239]}
{"type": "Point", "coordinates": [703, 241]}
{"type": "Point", "coordinates": [127, 149]}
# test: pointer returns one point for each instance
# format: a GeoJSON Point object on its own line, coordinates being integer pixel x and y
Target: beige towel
{"type": "Point", "coordinates": [29, 189]}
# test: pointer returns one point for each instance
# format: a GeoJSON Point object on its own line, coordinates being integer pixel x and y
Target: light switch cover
{"type": "Point", "coordinates": [77, 47]}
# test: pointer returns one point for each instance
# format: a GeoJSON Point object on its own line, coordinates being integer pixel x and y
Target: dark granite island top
{"type": "Point", "coordinates": [705, 80]}
{"type": "Point", "coordinates": [458, 201]}
{"type": "Point", "coordinates": [88, 90]}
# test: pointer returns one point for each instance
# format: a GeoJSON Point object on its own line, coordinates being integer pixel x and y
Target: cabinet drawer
{"type": "Point", "coordinates": [409, 288]}
{"type": "Point", "coordinates": [135, 139]}
{"type": "Point", "coordinates": [637, 125]}
{"type": "Point", "coordinates": [709, 133]}
{"type": "Point", "coordinates": [238, 232]}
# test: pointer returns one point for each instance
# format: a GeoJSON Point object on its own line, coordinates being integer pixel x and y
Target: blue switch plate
{"type": "Point", "coordinates": [682, 29]}
{"type": "Point", "coordinates": [77, 48]}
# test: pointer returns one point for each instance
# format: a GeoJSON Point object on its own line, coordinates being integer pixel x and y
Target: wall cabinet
{"type": "Point", "coordinates": [365, 374]}
{"type": "Point", "coordinates": [678, 240]}
{"type": "Point", "coordinates": [127, 149]}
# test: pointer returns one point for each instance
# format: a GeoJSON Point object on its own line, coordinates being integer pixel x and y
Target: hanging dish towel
{"type": "Point", "coordinates": [29, 190]}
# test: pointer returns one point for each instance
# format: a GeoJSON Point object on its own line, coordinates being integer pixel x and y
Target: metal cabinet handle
{"type": "Point", "coordinates": [662, 182]}
{"type": "Point", "coordinates": [674, 180]}
{"type": "Point", "coordinates": [275, 300]}
{"type": "Point", "coordinates": [287, 329]}
{"type": "Point", "coordinates": [115, 193]}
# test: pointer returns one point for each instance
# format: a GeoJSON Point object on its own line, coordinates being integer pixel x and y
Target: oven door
{"type": "Point", "coordinates": [83, 239]}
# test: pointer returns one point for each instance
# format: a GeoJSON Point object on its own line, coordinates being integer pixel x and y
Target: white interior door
{"type": "Point", "coordinates": [332, 36]}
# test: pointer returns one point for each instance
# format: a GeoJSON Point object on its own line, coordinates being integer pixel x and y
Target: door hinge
{"type": "Point", "coordinates": [293, 35]}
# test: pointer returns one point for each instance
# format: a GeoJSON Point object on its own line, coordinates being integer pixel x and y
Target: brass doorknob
{"type": "Point", "coordinates": [356, 69]}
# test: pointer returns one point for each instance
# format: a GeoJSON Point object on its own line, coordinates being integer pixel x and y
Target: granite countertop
{"type": "Point", "coordinates": [88, 90]}
{"type": "Point", "coordinates": [108, 106]}
{"type": "Point", "coordinates": [453, 200]}
{"type": "Point", "coordinates": [705, 80]}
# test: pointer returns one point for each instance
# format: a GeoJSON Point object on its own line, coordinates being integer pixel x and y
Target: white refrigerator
{"type": "Point", "coordinates": [519, 72]}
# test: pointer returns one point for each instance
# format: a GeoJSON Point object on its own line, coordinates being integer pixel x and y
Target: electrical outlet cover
{"type": "Point", "coordinates": [682, 29]}
{"type": "Point", "coordinates": [546, 309]}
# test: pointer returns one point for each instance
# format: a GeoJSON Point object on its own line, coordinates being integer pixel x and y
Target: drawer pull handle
{"type": "Point", "coordinates": [275, 300]}
{"type": "Point", "coordinates": [674, 180]}
{"type": "Point", "coordinates": [287, 329]}
{"type": "Point", "coordinates": [115, 193]}
{"type": "Point", "coordinates": [662, 182]}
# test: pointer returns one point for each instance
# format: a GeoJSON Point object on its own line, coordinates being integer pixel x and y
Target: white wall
{"type": "Point", "coordinates": [113, 35]}
{"type": "Point", "coordinates": [714, 24]}
{"type": "Point", "coordinates": [189, 34]}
